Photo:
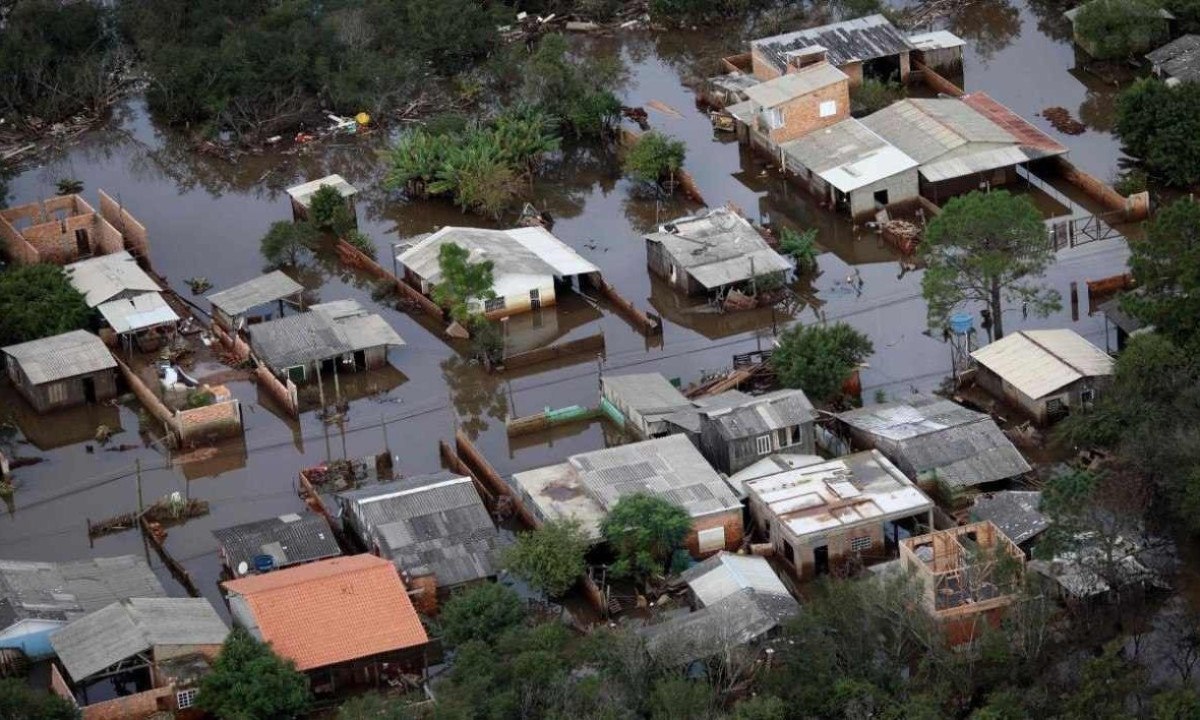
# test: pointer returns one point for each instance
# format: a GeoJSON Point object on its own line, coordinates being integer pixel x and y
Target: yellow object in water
{"type": "Point", "coordinates": [362, 118]}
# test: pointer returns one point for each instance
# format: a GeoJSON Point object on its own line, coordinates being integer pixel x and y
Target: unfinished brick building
{"type": "Point", "coordinates": [66, 228]}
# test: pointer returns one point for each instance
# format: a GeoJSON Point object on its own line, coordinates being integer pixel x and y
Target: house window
{"type": "Point", "coordinates": [56, 392]}
{"type": "Point", "coordinates": [494, 304]}
{"type": "Point", "coordinates": [534, 294]}
{"type": "Point", "coordinates": [829, 108]}
{"type": "Point", "coordinates": [184, 699]}
{"type": "Point", "coordinates": [711, 539]}
{"type": "Point", "coordinates": [763, 443]}
{"type": "Point", "coordinates": [773, 118]}
{"type": "Point", "coordinates": [859, 544]}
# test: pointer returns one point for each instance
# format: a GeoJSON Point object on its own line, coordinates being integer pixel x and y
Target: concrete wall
{"type": "Point", "coordinates": [900, 187]}
{"type": "Point", "coordinates": [662, 264]}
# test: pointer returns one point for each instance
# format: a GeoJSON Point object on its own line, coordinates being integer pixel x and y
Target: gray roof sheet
{"type": "Point", "coordinates": [325, 331]}
{"type": "Point", "coordinates": [303, 192]}
{"type": "Point", "coordinates": [670, 467]}
{"type": "Point", "coordinates": [1117, 316]}
{"type": "Point", "coordinates": [1016, 512]}
{"type": "Point", "coordinates": [719, 247]}
{"type": "Point", "coordinates": [428, 524]}
{"type": "Point", "coordinates": [252, 293]}
{"type": "Point", "coordinates": [725, 574]}
{"type": "Point", "coordinates": [123, 629]}
{"type": "Point", "coordinates": [102, 278]}
{"type": "Point", "coordinates": [741, 618]}
{"type": "Point", "coordinates": [289, 539]}
{"type": "Point", "coordinates": [62, 356]}
{"type": "Point", "coordinates": [647, 393]}
{"type": "Point", "coordinates": [1179, 58]}
{"type": "Point", "coordinates": [64, 591]}
{"type": "Point", "coordinates": [962, 447]}
{"type": "Point", "coordinates": [864, 38]}
{"type": "Point", "coordinates": [786, 88]}
{"type": "Point", "coordinates": [757, 415]}
{"type": "Point", "coordinates": [524, 251]}
{"type": "Point", "coordinates": [926, 129]}
{"type": "Point", "coordinates": [848, 154]}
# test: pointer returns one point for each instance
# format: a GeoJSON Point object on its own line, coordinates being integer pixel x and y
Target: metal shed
{"type": "Point", "coordinates": [288, 539]}
{"type": "Point", "coordinates": [232, 303]}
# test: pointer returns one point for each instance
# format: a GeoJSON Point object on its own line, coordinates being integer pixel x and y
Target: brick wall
{"type": "Point", "coordinates": [734, 531]}
{"type": "Point", "coordinates": [425, 601]}
{"type": "Point", "coordinates": [221, 419]}
{"type": "Point", "coordinates": [232, 343]}
{"type": "Point", "coordinates": [132, 231]}
{"type": "Point", "coordinates": [16, 248]}
{"type": "Point", "coordinates": [763, 70]}
{"type": "Point", "coordinates": [59, 686]}
{"type": "Point", "coordinates": [285, 395]}
{"type": "Point", "coordinates": [803, 115]}
{"type": "Point", "coordinates": [132, 706]}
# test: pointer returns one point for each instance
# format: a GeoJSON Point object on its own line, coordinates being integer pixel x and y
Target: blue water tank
{"type": "Point", "coordinates": [264, 563]}
{"type": "Point", "coordinates": [961, 323]}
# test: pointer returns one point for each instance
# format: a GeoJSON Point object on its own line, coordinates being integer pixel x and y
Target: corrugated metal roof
{"type": "Point", "coordinates": [431, 524]}
{"type": "Point", "coordinates": [138, 313]}
{"type": "Point", "coordinates": [303, 193]}
{"type": "Point", "coordinates": [1016, 512]}
{"type": "Point", "coordinates": [646, 393]}
{"type": "Point", "coordinates": [864, 38]}
{"type": "Point", "coordinates": [739, 619]}
{"type": "Point", "coordinates": [936, 40]}
{"type": "Point", "coordinates": [785, 88]}
{"type": "Point", "coordinates": [1039, 362]}
{"type": "Point", "coordinates": [1179, 58]}
{"type": "Point", "coordinates": [100, 279]}
{"type": "Point", "coordinates": [518, 252]}
{"type": "Point", "coordinates": [1032, 140]}
{"type": "Point", "coordinates": [327, 330]}
{"type": "Point", "coordinates": [1117, 316]}
{"type": "Point", "coordinates": [252, 293]}
{"type": "Point", "coordinates": [289, 539]}
{"type": "Point", "coordinates": [850, 491]}
{"type": "Point", "coordinates": [718, 248]}
{"type": "Point", "coordinates": [848, 155]}
{"type": "Point", "coordinates": [62, 356]}
{"type": "Point", "coordinates": [726, 574]}
{"type": "Point", "coordinates": [760, 414]}
{"type": "Point", "coordinates": [123, 629]}
{"type": "Point", "coordinates": [65, 591]}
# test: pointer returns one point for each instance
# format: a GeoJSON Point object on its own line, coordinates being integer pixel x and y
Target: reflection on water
{"type": "Point", "coordinates": [988, 26]}
{"type": "Point", "coordinates": [476, 394]}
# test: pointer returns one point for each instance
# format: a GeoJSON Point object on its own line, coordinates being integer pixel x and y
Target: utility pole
{"type": "Point", "coordinates": [138, 466]}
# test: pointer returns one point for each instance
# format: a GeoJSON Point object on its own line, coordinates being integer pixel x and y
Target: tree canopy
{"type": "Point", "coordinates": [1165, 262]}
{"type": "Point", "coordinates": [550, 558]}
{"type": "Point", "coordinates": [1116, 29]}
{"type": "Point", "coordinates": [818, 359]}
{"type": "Point", "coordinates": [288, 243]}
{"type": "Point", "coordinates": [480, 614]}
{"type": "Point", "coordinates": [644, 531]}
{"type": "Point", "coordinates": [1160, 125]}
{"type": "Point", "coordinates": [18, 701]}
{"type": "Point", "coordinates": [990, 248]}
{"type": "Point", "coordinates": [654, 158]}
{"type": "Point", "coordinates": [250, 682]}
{"type": "Point", "coordinates": [462, 281]}
{"type": "Point", "coordinates": [38, 301]}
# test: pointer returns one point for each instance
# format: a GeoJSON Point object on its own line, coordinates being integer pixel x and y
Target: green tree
{"type": "Point", "coordinates": [576, 90]}
{"type": "Point", "coordinates": [874, 95]}
{"type": "Point", "coordinates": [801, 247]}
{"type": "Point", "coordinates": [550, 558]}
{"type": "Point", "coordinates": [373, 706]}
{"type": "Point", "coordinates": [38, 301]}
{"type": "Point", "coordinates": [461, 282]}
{"type": "Point", "coordinates": [1160, 125]}
{"type": "Point", "coordinates": [450, 34]}
{"type": "Point", "coordinates": [1105, 687]}
{"type": "Point", "coordinates": [289, 243]}
{"type": "Point", "coordinates": [1116, 29]}
{"type": "Point", "coordinates": [644, 531]}
{"type": "Point", "coordinates": [482, 613]}
{"type": "Point", "coordinates": [324, 208]}
{"type": "Point", "coordinates": [250, 682]}
{"type": "Point", "coordinates": [1165, 262]}
{"type": "Point", "coordinates": [988, 248]}
{"type": "Point", "coordinates": [818, 359]}
{"type": "Point", "coordinates": [18, 701]}
{"type": "Point", "coordinates": [654, 158]}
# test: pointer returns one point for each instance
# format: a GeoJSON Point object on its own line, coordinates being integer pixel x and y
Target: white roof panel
{"type": "Point", "coordinates": [303, 193]}
{"type": "Point", "coordinates": [138, 313]}
{"type": "Point", "coordinates": [1039, 362]}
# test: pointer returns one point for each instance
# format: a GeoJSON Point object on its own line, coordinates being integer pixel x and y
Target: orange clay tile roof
{"type": "Point", "coordinates": [331, 611]}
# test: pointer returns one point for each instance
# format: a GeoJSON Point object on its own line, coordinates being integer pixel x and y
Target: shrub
{"type": "Point", "coordinates": [1161, 126]}
{"type": "Point", "coordinates": [1114, 29]}
{"type": "Point", "coordinates": [875, 95]}
{"type": "Point", "coordinates": [483, 613]}
{"type": "Point", "coordinates": [801, 247]}
{"type": "Point", "coordinates": [550, 558]}
{"type": "Point", "coordinates": [654, 157]}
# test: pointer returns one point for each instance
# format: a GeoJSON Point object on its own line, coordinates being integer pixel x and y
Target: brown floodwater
{"type": "Point", "coordinates": [205, 217]}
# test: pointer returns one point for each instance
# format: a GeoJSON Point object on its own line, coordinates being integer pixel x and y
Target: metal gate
{"type": "Point", "coordinates": [1069, 232]}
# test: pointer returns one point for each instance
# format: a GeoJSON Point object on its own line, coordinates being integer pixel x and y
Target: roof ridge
{"type": "Point", "coordinates": [1050, 352]}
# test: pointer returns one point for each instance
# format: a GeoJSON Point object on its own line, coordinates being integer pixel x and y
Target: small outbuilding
{"type": "Point", "coordinates": [849, 167]}
{"type": "Point", "coordinates": [333, 337]}
{"type": "Point", "coordinates": [939, 50]}
{"type": "Point", "coordinates": [275, 543]}
{"type": "Point", "coordinates": [62, 371]}
{"type": "Point", "coordinates": [865, 47]}
{"type": "Point", "coordinates": [936, 441]}
{"type": "Point", "coordinates": [301, 195]}
{"type": "Point", "coordinates": [745, 617]}
{"type": "Point", "coordinates": [231, 306]}
{"type": "Point", "coordinates": [725, 574]}
{"type": "Point", "coordinates": [645, 401]}
{"type": "Point", "coordinates": [737, 430]}
{"type": "Point", "coordinates": [1046, 374]}
{"type": "Point", "coordinates": [588, 485]}
{"type": "Point", "coordinates": [146, 320]}
{"type": "Point", "coordinates": [110, 277]}
{"type": "Point", "coordinates": [529, 264]}
{"type": "Point", "coordinates": [1016, 513]}
{"type": "Point", "coordinates": [1157, 28]}
{"type": "Point", "coordinates": [1177, 61]}
{"type": "Point", "coordinates": [852, 508]}
{"type": "Point", "coordinates": [434, 527]}
{"type": "Point", "coordinates": [712, 252]}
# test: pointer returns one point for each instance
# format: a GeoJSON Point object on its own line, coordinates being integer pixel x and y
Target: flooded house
{"type": "Point", "coordinates": [162, 647]}
{"type": "Point", "coordinates": [939, 50]}
{"type": "Point", "coordinates": [866, 47]}
{"type": "Point", "coordinates": [970, 573]}
{"type": "Point", "coordinates": [1156, 30]}
{"type": "Point", "coordinates": [301, 195]}
{"type": "Point", "coordinates": [231, 307]}
{"type": "Point", "coordinates": [433, 527]}
{"type": "Point", "coordinates": [333, 337]}
{"type": "Point", "coordinates": [645, 402]}
{"type": "Point", "coordinates": [850, 168]}
{"type": "Point", "coordinates": [344, 622]}
{"type": "Point", "coordinates": [588, 485]}
{"type": "Point", "coordinates": [735, 600]}
{"type": "Point", "coordinates": [66, 228]}
{"type": "Point", "coordinates": [1178, 61]}
{"type": "Point", "coordinates": [936, 442]}
{"type": "Point", "coordinates": [40, 598]}
{"type": "Point", "coordinates": [529, 265]}
{"type": "Point", "coordinates": [275, 543]}
{"type": "Point", "coordinates": [713, 252]}
{"type": "Point", "coordinates": [793, 105]}
{"type": "Point", "coordinates": [62, 371]}
{"type": "Point", "coordinates": [853, 508]}
{"type": "Point", "coordinates": [1016, 513]}
{"type": "Point", "coordinates": [961, 144]}
{"type": "Point", "coordinates": [1045, 374]}
{"type": "Point", "coordinates": [110, 277]}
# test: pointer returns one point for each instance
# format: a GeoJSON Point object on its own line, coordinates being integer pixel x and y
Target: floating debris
{"type": "Point", "coordinates": [199, 285]}
{"type": "Point", "coordinates": [1062, 121]}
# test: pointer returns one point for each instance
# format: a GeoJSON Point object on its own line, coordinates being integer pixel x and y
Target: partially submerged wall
{"type": "Point", "coordinates": [211, 422]}
{"type": "Point", "coordinates": [283, 393]}
{"type": "Point", "coordinates": [133, 232]}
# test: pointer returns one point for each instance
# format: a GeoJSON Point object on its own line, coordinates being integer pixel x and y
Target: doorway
{"type": "Point", "coordinates": [535, 299]}
{"type": "Point", "coordinates": [821, 560]}
{"type": "Point", "coordinates": [89, 390]}
{"type": "Point", "coordinates": [82, 246]}
{"type": "Point", "coordinates": [881, 198]}
{"type": "Point", "coordinates": [360, 359]}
